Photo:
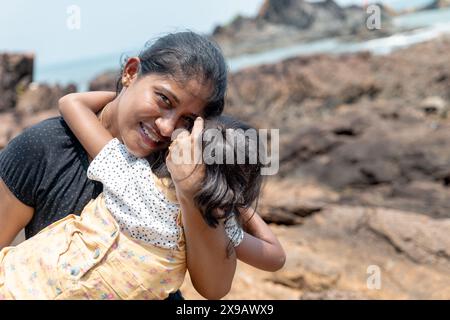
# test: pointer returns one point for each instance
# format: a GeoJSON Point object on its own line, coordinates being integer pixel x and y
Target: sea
{"type": "Point", "coordinates": [424, 26]}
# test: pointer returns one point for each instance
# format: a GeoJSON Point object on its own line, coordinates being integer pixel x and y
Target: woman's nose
{"type": "Point", "coordinates": [166, 125]}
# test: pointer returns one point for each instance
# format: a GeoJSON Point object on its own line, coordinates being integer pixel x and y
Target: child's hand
{"type": "Point", "coordinates": [184, 161]}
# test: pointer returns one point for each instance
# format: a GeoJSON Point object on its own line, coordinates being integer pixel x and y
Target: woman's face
{"type": "Point", "coordinates": [151, 107]}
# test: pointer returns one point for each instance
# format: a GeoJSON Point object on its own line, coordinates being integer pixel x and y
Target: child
{"type": "Point", "coordinates": [129, 242]}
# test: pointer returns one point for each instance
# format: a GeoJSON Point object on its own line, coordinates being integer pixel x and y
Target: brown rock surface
{"type": "Point", "coordinates": [329, 255]}
{"type": "Point", "coordinates": [357, 123]}
{"type": "Point", "coordinates": [41, 97]}
{"type": "Point", "coordinates": [8, 125]}
{"type": "Point", "coordinates": [105, 81]}
{"type": "Point", "coordinates": [281, 23]}
{"type": "Point", "coordinates": [24, 103]}
{"type": "Point", "coordinates": [289, 201]}
{"type": "Point", "coordinates": [38, 102]}
{"type": "Point", "coordinates": [16, 72]}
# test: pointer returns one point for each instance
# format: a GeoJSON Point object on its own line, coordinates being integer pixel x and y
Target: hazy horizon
{"type": "Point", "coordinates": [109, 28]}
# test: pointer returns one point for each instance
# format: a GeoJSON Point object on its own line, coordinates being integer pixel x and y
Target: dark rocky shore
{"type": "Point", "coordinates": [280, 23]}
{"type": "Point", "coordinates": [364, 174]}
{"type": "Point", "coordinates": [22, 102]}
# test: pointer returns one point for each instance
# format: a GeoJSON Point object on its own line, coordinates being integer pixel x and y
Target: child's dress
{"type": "Point", "coordinates": [126, 244]}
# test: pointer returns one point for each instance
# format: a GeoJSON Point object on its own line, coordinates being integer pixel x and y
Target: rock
{"type": "Point", "coordinates": [435, 4]}
{"type": "Point", "coordinates": [300, 13]}
{"type": "Point", "coordinates": [421, 239]}
{"type": "Point", "coordinates": [105, 82]}
{"type": "Point", "coordinates": [248, 283]}
{"type": "Point", "coordinates": [425, 197]}
{"type": "Point", "coordinates": [288, 203]}
{"type": "Point", "coordinates": [37, 102]}
{"type": "Point", "coordinates": [7, 128]}
{"type": "Point", "coordinates": [359, 130]}
{"type": "Point", "coordinates": [16, 72]}
{"type": "Point", "coordinates": [40, 97]}
{"type": "Point", "coordinates": [333, 295]}
{"type": "Point", "coordinates": [283, 22]}
{"type": "Point", "coordinates": [434, 105]}
{"type": "Point", "coordinates": [330, 256]}
{"type": "Point", "coordinates": [308, 272]}
{"type": "Point", "coordinates": [331, 252]}
{"type": "Point", "coordinates": [35, 118]}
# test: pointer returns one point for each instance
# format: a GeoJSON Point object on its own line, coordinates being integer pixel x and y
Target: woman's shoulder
{"type": "Point", "coordinates": [47, 134]}
{"type": "Point", "coordinates": [49, 142]}
{"type": "Point", "coordinates": [46, 157]}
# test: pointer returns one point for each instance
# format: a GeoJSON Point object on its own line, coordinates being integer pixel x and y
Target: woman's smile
{"type": "Point", "coordinates": [149, 136]}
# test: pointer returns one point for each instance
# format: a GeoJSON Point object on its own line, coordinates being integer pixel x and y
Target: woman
{"type": "Point", "coordinates": [43, 170]}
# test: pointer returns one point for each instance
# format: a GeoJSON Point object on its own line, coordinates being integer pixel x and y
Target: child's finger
{"type": "Point", "coordinates": [197, 128]}
{"type": "Point", "coordinates": [197, 140]}
{"type": "Point", "coordinates": [179, 133]}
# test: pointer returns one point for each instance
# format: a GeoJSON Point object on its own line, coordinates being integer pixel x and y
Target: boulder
{"type": "Point", "coordinates": [434, 105]}
{"type": "Point", "coordinates": [288, 202]}
{"type": "Point", "coordinates": [333, 255]}
{"type": "Point", "coordinates": [7, 128]}
{"type": "Point", "coordinates": [104, 82]}
{"type": "Point", "coordinates": [300, 13]}
{"type": "Point", "coordinates": [16, 73]}
{"type": "Point", "coordinates": [435, 4]}
{"type": "Point", "coordinates": [40, 97]}
{"type": "Point", "coordinates": [280, 23]}
{"type": "Point", "coordinates": [361, 130]}
{"type": "Point", "coordinates": [333, 295]}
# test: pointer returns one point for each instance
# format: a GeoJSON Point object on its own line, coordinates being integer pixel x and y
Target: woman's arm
{"type": "Point", "coordinates": [14, 215]}
{"type": "Point", "coordinates": [211, 270]}
{"type": "Point", "coordinates": [260, 247]}
{"type": "Point", "coordinates": [79, 111]}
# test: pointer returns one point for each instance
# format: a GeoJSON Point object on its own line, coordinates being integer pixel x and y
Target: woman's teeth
{"type": "Point", "coordinates": [150, 134]}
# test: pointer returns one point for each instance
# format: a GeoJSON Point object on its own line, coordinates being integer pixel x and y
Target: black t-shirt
{"type": "Point", "coordinates": [45, 167]}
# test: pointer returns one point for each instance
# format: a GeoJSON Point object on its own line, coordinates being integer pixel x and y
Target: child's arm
{"type": "Point", "coordinates": [260, 248]}
{"type": "Point", "coordinates": [79, 111]}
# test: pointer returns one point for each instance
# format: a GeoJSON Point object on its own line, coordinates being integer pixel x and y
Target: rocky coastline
{"type": "Point", "coordinates": [364, 167]}
{"type": "Point", "coordinates": [279, 23]}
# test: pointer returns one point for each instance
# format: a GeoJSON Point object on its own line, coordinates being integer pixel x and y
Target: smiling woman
{"type": "Point", "coordinates": [178, 77]}
{"type": "Point", "coordinates": [152, 107]}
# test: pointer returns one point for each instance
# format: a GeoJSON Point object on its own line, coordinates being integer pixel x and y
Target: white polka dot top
{"type": "Point", "coordinates": [133, 198]}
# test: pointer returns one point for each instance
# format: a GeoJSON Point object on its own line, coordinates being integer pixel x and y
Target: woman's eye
{"type": "Point", "coordinates": [164, 99]}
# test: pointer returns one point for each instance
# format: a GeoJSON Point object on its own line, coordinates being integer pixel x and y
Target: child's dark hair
{"type": "Point", "coordinates": [184, 56]}
{"type": "Point", "coordinates": [226, 186]}
{"type": "Point", "coordinates": [229, 185]}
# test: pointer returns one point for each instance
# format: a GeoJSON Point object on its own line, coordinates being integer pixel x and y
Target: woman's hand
{"type": "Point", "coordinates": [184, 161]}
{"type": "Point", "coordinates": [206, 247]}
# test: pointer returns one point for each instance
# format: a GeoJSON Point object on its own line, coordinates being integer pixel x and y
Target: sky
{"type": "Point", "coordinates": [46, 27]}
